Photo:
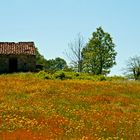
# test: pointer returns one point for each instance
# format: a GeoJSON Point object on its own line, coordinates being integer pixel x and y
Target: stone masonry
{"type": "Point", "coordinates": [17, 57]}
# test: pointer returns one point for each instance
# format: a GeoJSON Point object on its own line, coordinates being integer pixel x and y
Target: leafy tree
{"type": "Point", "coordinates": [51, 64]}
{"type": "Point", "coordinates": [99, 54]}
{"type": "Point", "coordinates": [56, 64]}
{"type": "Point", "coordinates": [75, 50]}
{"type": "Point", "coordinates": [40, 60]}
{"type": "Point", "coordinates": [60, 63]}
{"type": "Point", "coordinates": [133, 67]}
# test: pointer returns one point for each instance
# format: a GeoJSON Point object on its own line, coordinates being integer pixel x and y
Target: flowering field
{"type": "Point", "coordinates": [36, 109]}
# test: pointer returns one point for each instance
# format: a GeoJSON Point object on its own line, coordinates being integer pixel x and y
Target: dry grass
{"type": "Point", "coordinates": [35, 109]}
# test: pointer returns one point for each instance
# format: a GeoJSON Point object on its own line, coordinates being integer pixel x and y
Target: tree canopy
{"type": "Point", "coordinates": [56, 64]}
{"type": "Point", "coordinates": [50, 64]}
{"type": "Point", "coordinates": [96, 57]}
{"type": "Point", "coordinates": [40, 60]}
{"type": "Point", "coordinates": [99, 53]}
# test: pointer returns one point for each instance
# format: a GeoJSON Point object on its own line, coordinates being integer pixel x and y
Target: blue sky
{"type": "Point", "coordinates": [52, 24]}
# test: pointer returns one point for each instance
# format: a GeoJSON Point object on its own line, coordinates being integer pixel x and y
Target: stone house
{"type": "Point", "coordinates": [17, 57]}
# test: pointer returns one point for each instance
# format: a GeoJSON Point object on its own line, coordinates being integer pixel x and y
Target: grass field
{"type": "Point", "coordinates": [37, 109]}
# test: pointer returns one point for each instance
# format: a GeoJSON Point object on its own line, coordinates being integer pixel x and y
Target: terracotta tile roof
{"type": "Point", "coordinates": [26, 48]}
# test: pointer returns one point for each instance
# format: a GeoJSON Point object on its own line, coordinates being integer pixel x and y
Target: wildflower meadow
{"type": "Point", "coordinates": [40, 109]}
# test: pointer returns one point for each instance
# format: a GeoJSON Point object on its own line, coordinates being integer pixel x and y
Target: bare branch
{"type": "Point", "coordinates": [75, 50]}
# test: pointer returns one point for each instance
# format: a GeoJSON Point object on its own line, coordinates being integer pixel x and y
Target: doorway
{"type": "Point", "coordinates": [13, 65]}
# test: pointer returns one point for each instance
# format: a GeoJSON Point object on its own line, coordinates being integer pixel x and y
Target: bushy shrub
{"type": "Point", "coordinates": [116, 78]}
{"type": "Point", "coordinates": [87, 76]}
{"type": "Point", "coordinates": [65, 75]}
{"type": "Point", "coordinates": [99, 78]}
{"type": "Point", "coordinates": [44, 75]}
{"type": "Point", "coordinates": [59, 75]}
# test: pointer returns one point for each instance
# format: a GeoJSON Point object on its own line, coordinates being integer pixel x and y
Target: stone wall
{"type": "Point", "coordinates": [24, 63]}
{"type": "Point", "coordinates": [4, 64]}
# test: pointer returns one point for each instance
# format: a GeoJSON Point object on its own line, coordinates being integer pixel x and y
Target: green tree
{"type": "Point", "coordinates": [133, 67]}
{"type": "Point", "coordinates": [99, 54]}
{"type": "Point", "coordinates": [40, 60]}
{"type": "Point", "coordinates": [56, 64]}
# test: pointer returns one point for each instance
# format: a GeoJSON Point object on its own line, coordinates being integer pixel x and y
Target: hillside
{"type": "Point", "coordinates": [33, 108]}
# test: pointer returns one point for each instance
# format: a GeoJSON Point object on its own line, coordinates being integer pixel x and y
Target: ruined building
{"type": "Point", "coordinates": [17, 57]}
